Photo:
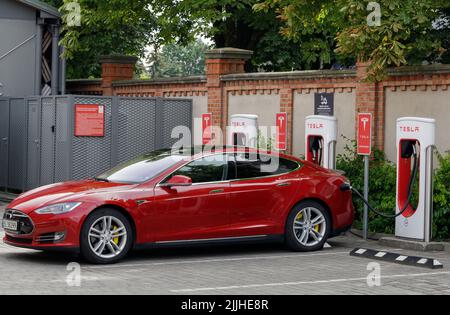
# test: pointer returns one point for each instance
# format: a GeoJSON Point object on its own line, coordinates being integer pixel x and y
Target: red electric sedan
{"type": "Point", "coordinates": [179, 198]}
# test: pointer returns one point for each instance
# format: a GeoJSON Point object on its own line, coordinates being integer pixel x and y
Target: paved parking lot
{"type": "Point", "coordinates": [256, 269]}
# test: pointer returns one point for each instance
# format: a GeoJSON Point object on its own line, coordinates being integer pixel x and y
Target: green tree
{"type": "Point", "coordinates": [129, 27]}
{"type": "Point", "coordinates": [406, 31]}
{"type": "Point", "coordinates": [176, 60]}
{"type": "Point", "coordinates": [234, 23]}
{"type": "Point", "coordinates": [113, 27]}
{"type": "Point", "coordinates": [107, 27]}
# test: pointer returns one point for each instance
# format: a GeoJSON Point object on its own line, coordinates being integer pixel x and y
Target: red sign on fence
{"type": "Point", "coordinates": [89, 120]}
{"type": "Point", "coordinates": [282, 131]}
{"type": "Point", "coordinates": [207, 128]}
{"type": "Point", "coordinates": [364, 134]}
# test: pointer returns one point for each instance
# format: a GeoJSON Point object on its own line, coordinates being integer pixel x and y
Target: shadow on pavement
{"type": "Point", "coordinates": [169, 253]}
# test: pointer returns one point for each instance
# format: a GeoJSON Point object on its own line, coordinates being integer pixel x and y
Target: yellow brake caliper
{"type": "Point", "coordinates": [115, 239]}
{"type": "Point", "coordinates": [300, 216]}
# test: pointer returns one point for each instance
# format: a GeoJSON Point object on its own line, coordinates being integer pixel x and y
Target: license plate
{"type": "Point", "coordinates": [10, 225]}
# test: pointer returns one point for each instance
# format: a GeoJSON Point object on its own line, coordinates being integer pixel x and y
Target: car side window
{"type": "Point", "coordinates": [205, 170]}
{"type": "Point", "coordinates": [248, 166]}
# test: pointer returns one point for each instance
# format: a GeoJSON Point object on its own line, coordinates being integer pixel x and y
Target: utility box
{"type": "Point", "coordinates": [55, 139]}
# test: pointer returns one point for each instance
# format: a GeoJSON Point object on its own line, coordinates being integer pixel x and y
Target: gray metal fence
{"type": "Point", "coordinates": [38, 145]}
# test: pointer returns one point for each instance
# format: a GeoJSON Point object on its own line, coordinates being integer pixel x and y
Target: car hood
{"type": "Point", "coordinates": [61, 192]}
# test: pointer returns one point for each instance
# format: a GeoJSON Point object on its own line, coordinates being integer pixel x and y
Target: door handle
{"type": "Point", "coordinates": [285, 184]}
{"type": "Point", "coordinates": [216, 191]}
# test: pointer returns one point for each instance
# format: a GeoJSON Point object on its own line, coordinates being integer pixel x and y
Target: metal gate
{"type": "Point", "coordinates": [38, 145]}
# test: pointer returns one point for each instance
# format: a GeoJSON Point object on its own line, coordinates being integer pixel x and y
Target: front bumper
{"type": "Point", "coordinates": [45, 232]}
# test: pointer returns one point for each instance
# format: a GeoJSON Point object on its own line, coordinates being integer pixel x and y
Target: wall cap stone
{"type": "Point", "coordinates": [420, 70]}
{"type": "Point", "coordinates": [84, 81]}
{"type": "Point", "coordinates": [312, 74]}
{"type": "Point", "coordinates": [160, 81]}
{"type": "Point", "coordinates": [118, 59]}
{"type": "Point", "coordinates": [229, 53]}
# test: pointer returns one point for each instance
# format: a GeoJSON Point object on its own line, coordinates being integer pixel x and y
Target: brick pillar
{"type": "Point", "coordinates": [370, 99]}
{"type": "Point", "coordinates": [287, 106]}
{"type": "Point", "coordinates": [116, 68]}
{"type": "Point", "coordinates": [221, 62]}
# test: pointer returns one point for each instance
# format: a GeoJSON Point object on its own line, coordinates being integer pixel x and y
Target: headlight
{"type": "Point", "coordinates": [58, 208]}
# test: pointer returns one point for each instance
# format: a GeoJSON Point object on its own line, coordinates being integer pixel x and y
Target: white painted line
{"type": "Point", "coordinates": [423, 261]}
{"type": "Point", "coordinates": [214, 260]}
{"type": "Point", "coordinates": [361, 251]}
{"type": "Point", "coordinates": [380, 254]}
{"type": "Point", "coordinates": [401, 258]}
{"type": "Point", "coordinates": [436, 263]}
{"type": "Point", "coordinates": [249, 286]}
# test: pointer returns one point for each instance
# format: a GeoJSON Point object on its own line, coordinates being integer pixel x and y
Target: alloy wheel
{"type": "Point", "coordinates": [310, 226]}
{"type": "Point", "coordinates": [107, 237]}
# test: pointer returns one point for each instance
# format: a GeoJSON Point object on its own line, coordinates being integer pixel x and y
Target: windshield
{"type": "Point", "coordinates": [142, 168]}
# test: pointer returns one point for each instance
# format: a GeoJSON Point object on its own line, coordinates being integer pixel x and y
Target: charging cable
{"type": "Point", "coordinates": [347, 186]}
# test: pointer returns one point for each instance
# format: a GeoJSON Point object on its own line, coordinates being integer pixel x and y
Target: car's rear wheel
{"type": "Point", "coordinates": [106, 237]}
{"type": "Point", "coordinates": [308, 227]}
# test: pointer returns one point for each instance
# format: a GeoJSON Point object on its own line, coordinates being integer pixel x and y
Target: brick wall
{"type": "Point", "coordinates": [225, 77]}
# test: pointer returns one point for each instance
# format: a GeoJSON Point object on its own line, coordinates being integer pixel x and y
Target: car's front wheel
{"type": "Point", "coordinates": [106, 237]}
{"type": "Point", "coordinates": [308, 227]}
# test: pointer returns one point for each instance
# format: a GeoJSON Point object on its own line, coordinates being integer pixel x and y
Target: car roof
{"type": "Point", "coordinates": [199, 151]}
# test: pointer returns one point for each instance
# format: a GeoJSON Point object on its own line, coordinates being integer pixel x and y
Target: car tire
{"type": "Point", "coordinates": [301, 234]}
{"type": "Point", "coordinates": [111, 231]}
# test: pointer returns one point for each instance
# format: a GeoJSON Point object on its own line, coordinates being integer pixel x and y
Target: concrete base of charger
{"type": "Point", "coordinates": [395, 242]}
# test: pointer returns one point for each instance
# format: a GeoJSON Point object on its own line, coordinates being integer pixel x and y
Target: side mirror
{"type": "Point", "coordinates": [178, 181]}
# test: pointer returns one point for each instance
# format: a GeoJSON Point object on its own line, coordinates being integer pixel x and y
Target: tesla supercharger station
{"type": "Point", "coordinates": [415, 140]}
{"type": "Point", "coordinates": [243, 131]}
{"type": "Point", "coordinates": [320, 140]}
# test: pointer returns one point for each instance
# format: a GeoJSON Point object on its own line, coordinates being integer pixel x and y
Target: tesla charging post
{"type": "Point", "coordinates": [320, 140]}
{"type": "Point", "coordinates": [243, 131]}
{"type": "Point", "coordinates": [365, 149]}
{"type": "Point", "coordinates": [415, 144]}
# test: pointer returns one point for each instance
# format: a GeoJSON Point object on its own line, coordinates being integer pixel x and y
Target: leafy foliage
{"type": "Point", "coordinates": [317, 33]}
{"type": "Point", "coordinates": [313, 25]}
{"type": "Point", "coordinates": [177, 60]}
{"type": "Point", "coordinates": [129, 27]}
{"type": "Point", "coordinates": [407, 32]}
{"type": "Point", "coordinates": [265, 143]}
{"type": "Point", "coordinates": [441, 226]}
{"type": "Point", "coordinates": [234, 23]}
{"type": "Point", "coordinates": [383, 187]}
{"type": "Point", "coordinates": [115, 27]}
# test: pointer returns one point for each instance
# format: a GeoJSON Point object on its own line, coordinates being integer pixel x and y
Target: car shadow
{"type": "Point", "coordinates": [149, 255]}
{"type": "Point", "coordinates": [157, 254]}
{"type": "Point", "coordinates": [206, 251]}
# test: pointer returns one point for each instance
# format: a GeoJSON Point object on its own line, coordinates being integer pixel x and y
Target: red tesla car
{"type": "Point", "coordinates": [178, 198]}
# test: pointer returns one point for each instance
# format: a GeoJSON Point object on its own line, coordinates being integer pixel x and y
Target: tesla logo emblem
{"type": "Point", "coordinates": [281, 119]}
{"type": "Point", "coordinates": [365, 121]}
